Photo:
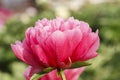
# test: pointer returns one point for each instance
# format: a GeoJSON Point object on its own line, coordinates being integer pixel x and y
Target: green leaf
{"type": "Point", "coordinates": [79, 64]}
{"type": "Point", "coordinates": [41, 74]}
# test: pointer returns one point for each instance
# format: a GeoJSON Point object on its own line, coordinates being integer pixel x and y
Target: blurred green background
{"type": "Point", "coordinates": [104, 16]}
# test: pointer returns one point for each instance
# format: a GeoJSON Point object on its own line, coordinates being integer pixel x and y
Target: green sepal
{"type": "Point", "coordinates": [41, 74]}
{"type": "Point", "coordinates": [58, 72]}
{"type": "Point", "coordinates": [79, 64]}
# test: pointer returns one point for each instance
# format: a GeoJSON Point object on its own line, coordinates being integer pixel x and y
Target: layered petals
{"type": "Point", "coordinates": [26, 56]}
{"type": "Point", "coordinates": [56, 43]}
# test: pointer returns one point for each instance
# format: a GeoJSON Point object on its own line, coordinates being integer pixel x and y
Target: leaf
{"type": "Point", "coordinates": [79, 64]}
{"type": "Point", "coordinates": [41, 74]}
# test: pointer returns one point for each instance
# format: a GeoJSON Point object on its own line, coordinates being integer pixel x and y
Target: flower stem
{"type": "Point", "coordinates": [62, 74]}
{"type": "Point", "coordinates": [35, 77]}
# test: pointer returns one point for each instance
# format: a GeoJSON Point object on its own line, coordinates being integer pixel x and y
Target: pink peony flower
{"type": "Point", "coordinates": [71, 74]}
{"type": "Point", "coordinates": [57, 43]}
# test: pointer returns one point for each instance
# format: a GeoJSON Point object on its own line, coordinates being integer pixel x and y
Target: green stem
{"type": "Point", "coordinates": [36, 76]}
{"type": "Point", "coordinates": [62, 74]}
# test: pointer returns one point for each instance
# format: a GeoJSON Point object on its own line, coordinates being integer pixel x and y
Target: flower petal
{"type": "Point", "coordinates": [40, 54]}
{"type": "Point", "coordinates": [31, 36]}
{"type": "Point", "coordinates": [18, 50]}
{"type": "Point", "coordinates": [51, 76]}
{"type": "Point", "coordinates": [30, 71]}
{"type": "Point", "coordinates": [23, 54]}
{"type": "Point", "coordinates": [84, 27]}
{"type": "Point", "coordinates": [73, 74]}
{"type": "Point", "coordinates": [74, 37]}
{"type": "Point", "coordinates": [57, 46]}
{"type": "Point", "coordinates": [91, 53]}
{"type": "Point", "coordinates": [87, 47]}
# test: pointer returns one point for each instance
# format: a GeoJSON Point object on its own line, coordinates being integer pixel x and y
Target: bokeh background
{"type": "Point", "coordinates": [17, 15]}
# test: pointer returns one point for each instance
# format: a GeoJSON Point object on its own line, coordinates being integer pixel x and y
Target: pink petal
{"type": "Point", "coordinates": [91, 53]}
{"type": "Point", "coordinates": [31, 36]}
{"type": "Point", "coordinates": [84, 27]}
{"type": "Point", "coordinates": [30, 71]}
{"type": "Point", "coordinates": [18, 50]}
{"type": "Point", "coordinates": [38, 25]}
{"type": "Point", "coordinates": [51, 76]}
{"type": "Point", "coordinates": [57, 47]}
{"type": "Point", "coordinates": [73, 74]}
{"type": "Point", "coordinates": [67, 24]}
{"type": "Point", "coordinates": [26, 46]}
{"type": "Point", "coordinates": [31, 59]}
{"type": "Point", "coordinates": [74, 37]}
{"type": "Point", "coordinates": [38, 51]}
{"type": "Point", "coordinates": [87, 47]}
{"type": "Point", "coordinates": [56, 24]}
{"type": "Point", "coordinates": [44, 22]}
{"type": "Point", "coordinates": [23, 54]}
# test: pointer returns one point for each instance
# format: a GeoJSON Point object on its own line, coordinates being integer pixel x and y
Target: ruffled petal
{"type": "Point", "coordinates": [87, 47]}
{"type": "Point", "coordinates": [31, 36]}
{"type": "Point", "coordinates": [84, 27]}
{"type": "Point", "coordinates": [40, 54]}
{"type": "Point", "coordinates": [74, 37]}
{"type": "Point", "coordinates": [58, 48]}
{"type": "Point", "coordinates": [23, 54]}
{"type": "Point", "coordinates": [18, 50]}
{"type": "Point", "coordinates": [73, 74]}
{"type": "Point", "coordinates": [91, 53]}
{"type": "Point", "coordinates": [30, 71]}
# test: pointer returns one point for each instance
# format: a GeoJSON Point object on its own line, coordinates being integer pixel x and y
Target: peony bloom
{"type": "Point", "coordinates": [71, 74]}
{"type": "Point", "coordinates": [57, 43]}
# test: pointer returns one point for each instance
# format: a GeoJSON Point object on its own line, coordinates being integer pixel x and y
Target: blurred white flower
{"type": "Point", "coordinates": [62, 11]}
{"type": "Point", "coordinates": [25, 18]}
{"type": "Point", "coordinates": [31, 11]}
{"type": "Point", "coordinates": [96, 1]}
{"type": "Point", "coordinates": [70, 4]}
{"type": "Point", "coordinates": [75, 4]}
